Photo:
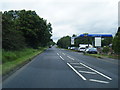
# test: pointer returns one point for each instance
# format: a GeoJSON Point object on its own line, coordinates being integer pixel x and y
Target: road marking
{"type": "Point", "coordinates": [63, 53]}
{"type": "Point", "coordinates": [61, 57]}
{"type": "Point", "coordinates": [98, 81]}
{"type": "Point", "coordinates": [96, 71]}
{"type": "Point", "coordinates": [78, 67]}
{"type": "Point", "coordinates": [70, 57]}
{"type": "Point", "coordinates": [87, 72]}
{"type": "Point", "coordinates": [76, 72]}
{"type": "Point", "coordinates": [57, 53]}
{"type": "Point", "coordinates": [75, 63]}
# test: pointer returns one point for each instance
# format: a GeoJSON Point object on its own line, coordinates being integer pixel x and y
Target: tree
{"type": "Point", "coordinates": [11, 38]}
{"type": "Point", "coordinates": [106, 41]}
{"type": "Point", "coordinates": [35, 29]}
{"type": "Point", "coordinates": [116, 42]}
{"type": "Point", "coordinates": [83, 40]}
{"type": "Point", "coordinates": [25, 28]}
{"type": "Point", "coordinates": [64, 42]}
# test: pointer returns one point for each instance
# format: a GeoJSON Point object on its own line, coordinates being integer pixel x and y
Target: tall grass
{"type": "Point", "coordinates": [13, 59]}
{"type": "Point", "coordinates": [8, 56]}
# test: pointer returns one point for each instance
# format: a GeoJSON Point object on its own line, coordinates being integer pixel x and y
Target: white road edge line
{"type": "Point", "coordinates": [61, 57]}
{"type": "Point", "coordinates": [57, 53]}
{"type": "Point", "coordinates": [76, 72]}
{"type": "Point", "coordinates": [96, 71]}
{"type": "Point", "coordinates": [98, 81]}
{"type": "Point", "coordinates": [87, 72]}
{"type": "Point", "coordinates": [70, 57]}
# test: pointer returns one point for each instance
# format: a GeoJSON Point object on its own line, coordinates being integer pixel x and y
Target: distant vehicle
{"type": "Point", "coordinates": [91, 50]}
{"type": "Point", "coordinates": [85, 45]}
{"type": "Point", "coordinates": [72, 48]}
{"type": "Point", "coordinates": [68, 47]}
{"type": "Point", "coordinates": [82, 47]}
{"type": "Point", "coordinates": [50, 46]}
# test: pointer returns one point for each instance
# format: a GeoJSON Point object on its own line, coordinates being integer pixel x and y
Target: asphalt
{"type": "Point", "coordinates": [60, 68]}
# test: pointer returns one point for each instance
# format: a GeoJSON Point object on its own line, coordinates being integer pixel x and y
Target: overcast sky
{"type": "Point", "coordinates": [70, 17]}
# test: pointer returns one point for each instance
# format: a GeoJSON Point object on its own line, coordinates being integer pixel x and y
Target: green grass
{"type": "Point", "coordinates": [14, 59]}
{"type": "Point", "coordinates": [103, 56]}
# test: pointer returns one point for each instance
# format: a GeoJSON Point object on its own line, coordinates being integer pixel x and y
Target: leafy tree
{"type": "Point", "coordinates": [116, 42]}
{"type": "Point", "coordinates": [83, 40]}
{"type": "Point", "coordinates": [24, 28]}
{"type": "Point", "coordinates": [64, 42]}
{"type": "Point", "coordinates": [36, 30]}
{"type": "Point", "coordinates": [107, 41]}
{"type": "Point", "coordinates": [11, 39]}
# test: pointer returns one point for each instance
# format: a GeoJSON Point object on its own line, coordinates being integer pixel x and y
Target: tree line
{"type": "Point", "coordinates": [65, 41]}
{"type": "Point", "coordinates": [21, 29]}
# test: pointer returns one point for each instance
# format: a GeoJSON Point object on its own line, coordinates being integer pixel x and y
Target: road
{"type": "Point", "coordinates": [60, 68]}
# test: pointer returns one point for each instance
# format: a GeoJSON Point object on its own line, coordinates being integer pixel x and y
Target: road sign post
{"type": "Point", "coordinates": [98, 41]}
{"type": "Point", "coordinates": [72, 40]}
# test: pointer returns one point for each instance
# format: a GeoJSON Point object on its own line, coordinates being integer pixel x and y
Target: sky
{"type": "Point", "coordinates": [70, 17]}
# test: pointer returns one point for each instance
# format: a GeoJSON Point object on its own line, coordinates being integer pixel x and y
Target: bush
{"type": "Point", "coordinates": [105, 49]}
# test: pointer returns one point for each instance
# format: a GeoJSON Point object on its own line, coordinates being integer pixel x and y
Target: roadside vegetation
{"type": "Point", "coordinates": [14, 59]}
{"type": "Point", "coordinates": [24, 35]}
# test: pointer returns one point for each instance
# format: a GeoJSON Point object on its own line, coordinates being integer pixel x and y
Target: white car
{"type": "Point", "coordinates": [72, 48]}
{"type": "Point", "coordinates": [81, 49]}
{"type": "Point", "coordinates": [91, 51]}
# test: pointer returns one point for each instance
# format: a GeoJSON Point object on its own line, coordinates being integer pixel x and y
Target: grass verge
{"type": "Point", "coordinates": [14, 59]}
{"type": "Point", "coordinates": [104, 56]}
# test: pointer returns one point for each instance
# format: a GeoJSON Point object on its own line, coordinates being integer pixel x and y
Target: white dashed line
{"type": "Point", "coordinates": [98, 81]}
{"type": "Point", "coordinates": [76, 72]}
{"type": "Point", "coordinates": [87, 72]}
{"type": "Point", "coordinates": [57, 53]}
{"type": "Point", "coordinates": [61, 57]}
{"type": "Point", "coordinates": [96, 71]}
{"type": "Point", "coordinates": [78, 67]}
{"type": "Point", "coordinates": [70, 57]}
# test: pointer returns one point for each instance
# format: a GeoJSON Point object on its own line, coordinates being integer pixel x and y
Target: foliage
{"type": "Point", "coordinates": [24, 29]}
{"type": "Point", "coordinates": [83, 40]}
{"type": "Point", "coordinates": [13, 59]}
{"type": "Point", "coordinates": [116, 42]}
{"type": "Point", "coordinates": [11, 38]}
{"type": "Point", "coordinates": [105, 49]}
{"type": "Point", "coordinates": [51, 42]}
{"type": "Point", "coordinates": [106, 41]}
{"type": "Point", "coordinates": [64, 42]}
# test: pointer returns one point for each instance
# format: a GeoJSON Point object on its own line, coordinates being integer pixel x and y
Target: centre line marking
{"type": "Point", "coordinates": [70, 57]}
{"type": "Point", "coordinates": [98, 81]}
{"type": "Point", "coordinates": [87, 72]}
{"type": "Point", "coordinates": [96, 71]}
{"type": "Point", "coordinates": [76, 72]}
{"type": "Point", "coordinates": [61, 58]}
{"type": "Point", "coordinates": [57, 53]}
